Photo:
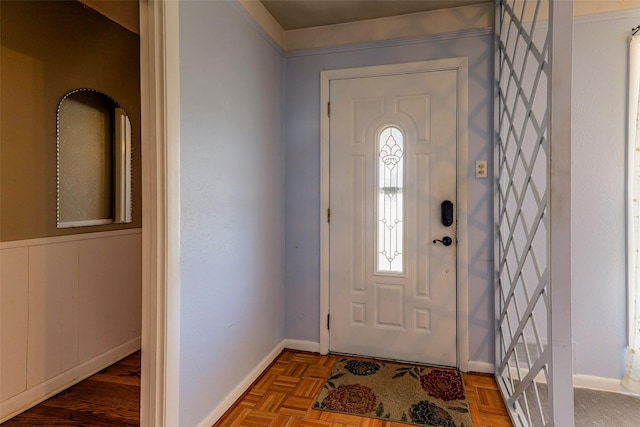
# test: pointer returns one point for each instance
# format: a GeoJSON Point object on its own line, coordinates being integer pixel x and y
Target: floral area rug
{"type": "Point", "coordinates": [412, 394]}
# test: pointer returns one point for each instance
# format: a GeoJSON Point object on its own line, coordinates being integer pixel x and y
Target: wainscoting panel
{"type": "Point", "coordinates": [69, 306]}
{"type": "Point", "coordinates": [53, 311]}
{"type": "Point", "coordinates": [110, 277]}
{"type": "Point", "coordinates": [14, 281]}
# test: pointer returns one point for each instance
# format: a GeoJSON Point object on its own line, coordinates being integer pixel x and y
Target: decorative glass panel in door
{"type": "Point", "coordinates": [390, 202]}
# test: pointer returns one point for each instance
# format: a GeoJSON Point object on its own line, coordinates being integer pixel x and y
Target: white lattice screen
{"type": "Point", "coordinates": [523, 242]}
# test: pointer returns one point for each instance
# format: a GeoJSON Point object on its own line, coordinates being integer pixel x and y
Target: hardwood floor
{"type": "Point", "coordinates": [109, 398]}
{"type": "Point", "coordinates": [485, 402]}
{"type": "Point", "coordinates": [285, 392]}
{"type": "Point", "coordinates": [282, 396]}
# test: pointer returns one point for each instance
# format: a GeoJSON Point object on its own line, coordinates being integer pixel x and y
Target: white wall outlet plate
{"type": "Point", "coordinates": [481, 169]}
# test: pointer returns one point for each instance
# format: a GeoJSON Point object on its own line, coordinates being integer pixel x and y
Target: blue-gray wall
{"type": "Point", "coordinates": [303, 176]}
{"type": "Point", "coordinates": [232, 202]}
{"type": "Point", "coordinates": [250, 278]}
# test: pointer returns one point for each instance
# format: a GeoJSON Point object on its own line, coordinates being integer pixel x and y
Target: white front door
{"type": "Point", "coordinates": [392, 164]}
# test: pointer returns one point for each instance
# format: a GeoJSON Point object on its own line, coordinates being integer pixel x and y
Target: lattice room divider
{"type": "Point", "coordinates": [532, 209]}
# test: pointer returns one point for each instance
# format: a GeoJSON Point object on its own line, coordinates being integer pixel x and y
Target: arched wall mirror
{"type": "Point", "coordinates": [93, 160]}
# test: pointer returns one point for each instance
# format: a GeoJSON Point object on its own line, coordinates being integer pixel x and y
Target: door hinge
{"type": "Point", "coordinates": [329, 215]}
{"type": "Point", "coordinates": [328, 321]}
{"type": "Point", "coordinates": [329, 108]}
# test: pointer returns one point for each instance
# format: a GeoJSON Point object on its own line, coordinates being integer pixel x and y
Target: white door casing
{"type": "Point", "coordinates": [160, 123]}
{"type": "Point", "coordinates": [412, 314]}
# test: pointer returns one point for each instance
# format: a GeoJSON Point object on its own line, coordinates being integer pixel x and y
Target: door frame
{"type": "Point", "coordinates": [160, 126]}
{"type": "Point", "coordinates": [461, 66]}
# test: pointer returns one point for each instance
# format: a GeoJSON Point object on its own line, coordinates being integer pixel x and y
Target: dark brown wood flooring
{"type": "Point", "coordinates": [109, 398]}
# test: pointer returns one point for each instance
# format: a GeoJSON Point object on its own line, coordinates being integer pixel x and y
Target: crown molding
{"type": "Point", "coordinates": [430, 38]}
{"type": "Point", "coordinates": [395, 27]}
{"type": "Point", "coordinates": [264, 19]}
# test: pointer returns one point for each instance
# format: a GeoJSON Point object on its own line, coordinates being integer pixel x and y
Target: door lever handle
{"type": "Point", "coordinates": [446, 240]}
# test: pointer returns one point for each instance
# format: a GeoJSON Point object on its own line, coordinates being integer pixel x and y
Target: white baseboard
{"type": "Point", "coordinates": [600, 383]}
{"type": "Point", "coordinates": [583, 381]}
{"type": "Point", "coordinates": [235, 394]}
{"type": "Point", "coordinates": [311, 346]}
{"type": "Point", "coordinates": [41, 392]}
{"type": "Point", "coordinates": [483, 367]}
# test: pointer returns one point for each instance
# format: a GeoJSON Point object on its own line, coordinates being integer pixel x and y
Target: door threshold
{"type": "Point", "coordinates": [384, 359]}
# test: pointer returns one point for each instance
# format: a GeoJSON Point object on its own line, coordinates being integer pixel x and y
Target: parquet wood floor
{"type": "Point", "coordinates": [282, 396]}
{"type": "Point", "coordinates": [285, 392]}
{"type": "Point", "coordinates": [109, 398]}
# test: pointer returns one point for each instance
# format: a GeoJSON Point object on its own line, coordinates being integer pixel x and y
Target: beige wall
{"type": "Point", "coordinates": [49, 49]}
{"type": "Point", "coordinates": [124, 12]}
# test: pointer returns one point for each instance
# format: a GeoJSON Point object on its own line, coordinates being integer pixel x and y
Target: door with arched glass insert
{"type": "Point", "coordinates": [393, 146]}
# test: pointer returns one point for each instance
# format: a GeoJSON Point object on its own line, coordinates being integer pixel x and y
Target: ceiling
{"type": "Point", "coordinates": [295, 14]}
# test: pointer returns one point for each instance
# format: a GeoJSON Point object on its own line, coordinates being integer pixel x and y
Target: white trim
{"type": "Point", "coordinates": [266, 33]}
{"type": "Point", "coordinates": [560, 363]}
{"type": "Point", "coordinates": [607, 16]}
{"type": "Point", "coordinates": [160, 121]}
{"type": "Point", "coordinates": [588, 18]}
{"type": "Point", "coordinates": [393, 27]}
{"type": "Point", "coordinates": [152, 358]}
{"type": "Point", "coordinates": [265, 22]}
{"type": "Point", "coordinates": [413, 25]}
{"type": "Point", "coordinates": [482, 367]}
{"type": "Point", "coordinates": [462, 246]}
{"type": "Point", "coordinates": [243, 386]}
{"type": "Point", "coordinates": [85, 223]}
{"type": "Point", "coordinates": [172, 220]}
{"type": "Point", "coordinates": [41, 392]}
{"type": "Point", "coordinates": [311, 346]}
{"type": "Point", "coordinates": [428, 38]}
{"type": "Point", "coordinates": [601, 383]}
{"type": "Point", "coordinates": [122, 167]}
{"type": "Point", "coordinates": [325, 76]}
{"type": "Point", "coordinates": [497, 305]}
{"type": "Point", "coordinates": [585, 12]}
{"type": "Point", "coordinates": [461, 65]}
{"type": "Point", "coordinates": [592, 382]}
{"type": "Point", "coordinates": [69, 238]}
{"type": "Point", "coordinates": [631, 241]}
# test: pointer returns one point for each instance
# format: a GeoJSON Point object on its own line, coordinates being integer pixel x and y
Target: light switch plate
{"type": "Point", "coordinates": [481, 169]}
